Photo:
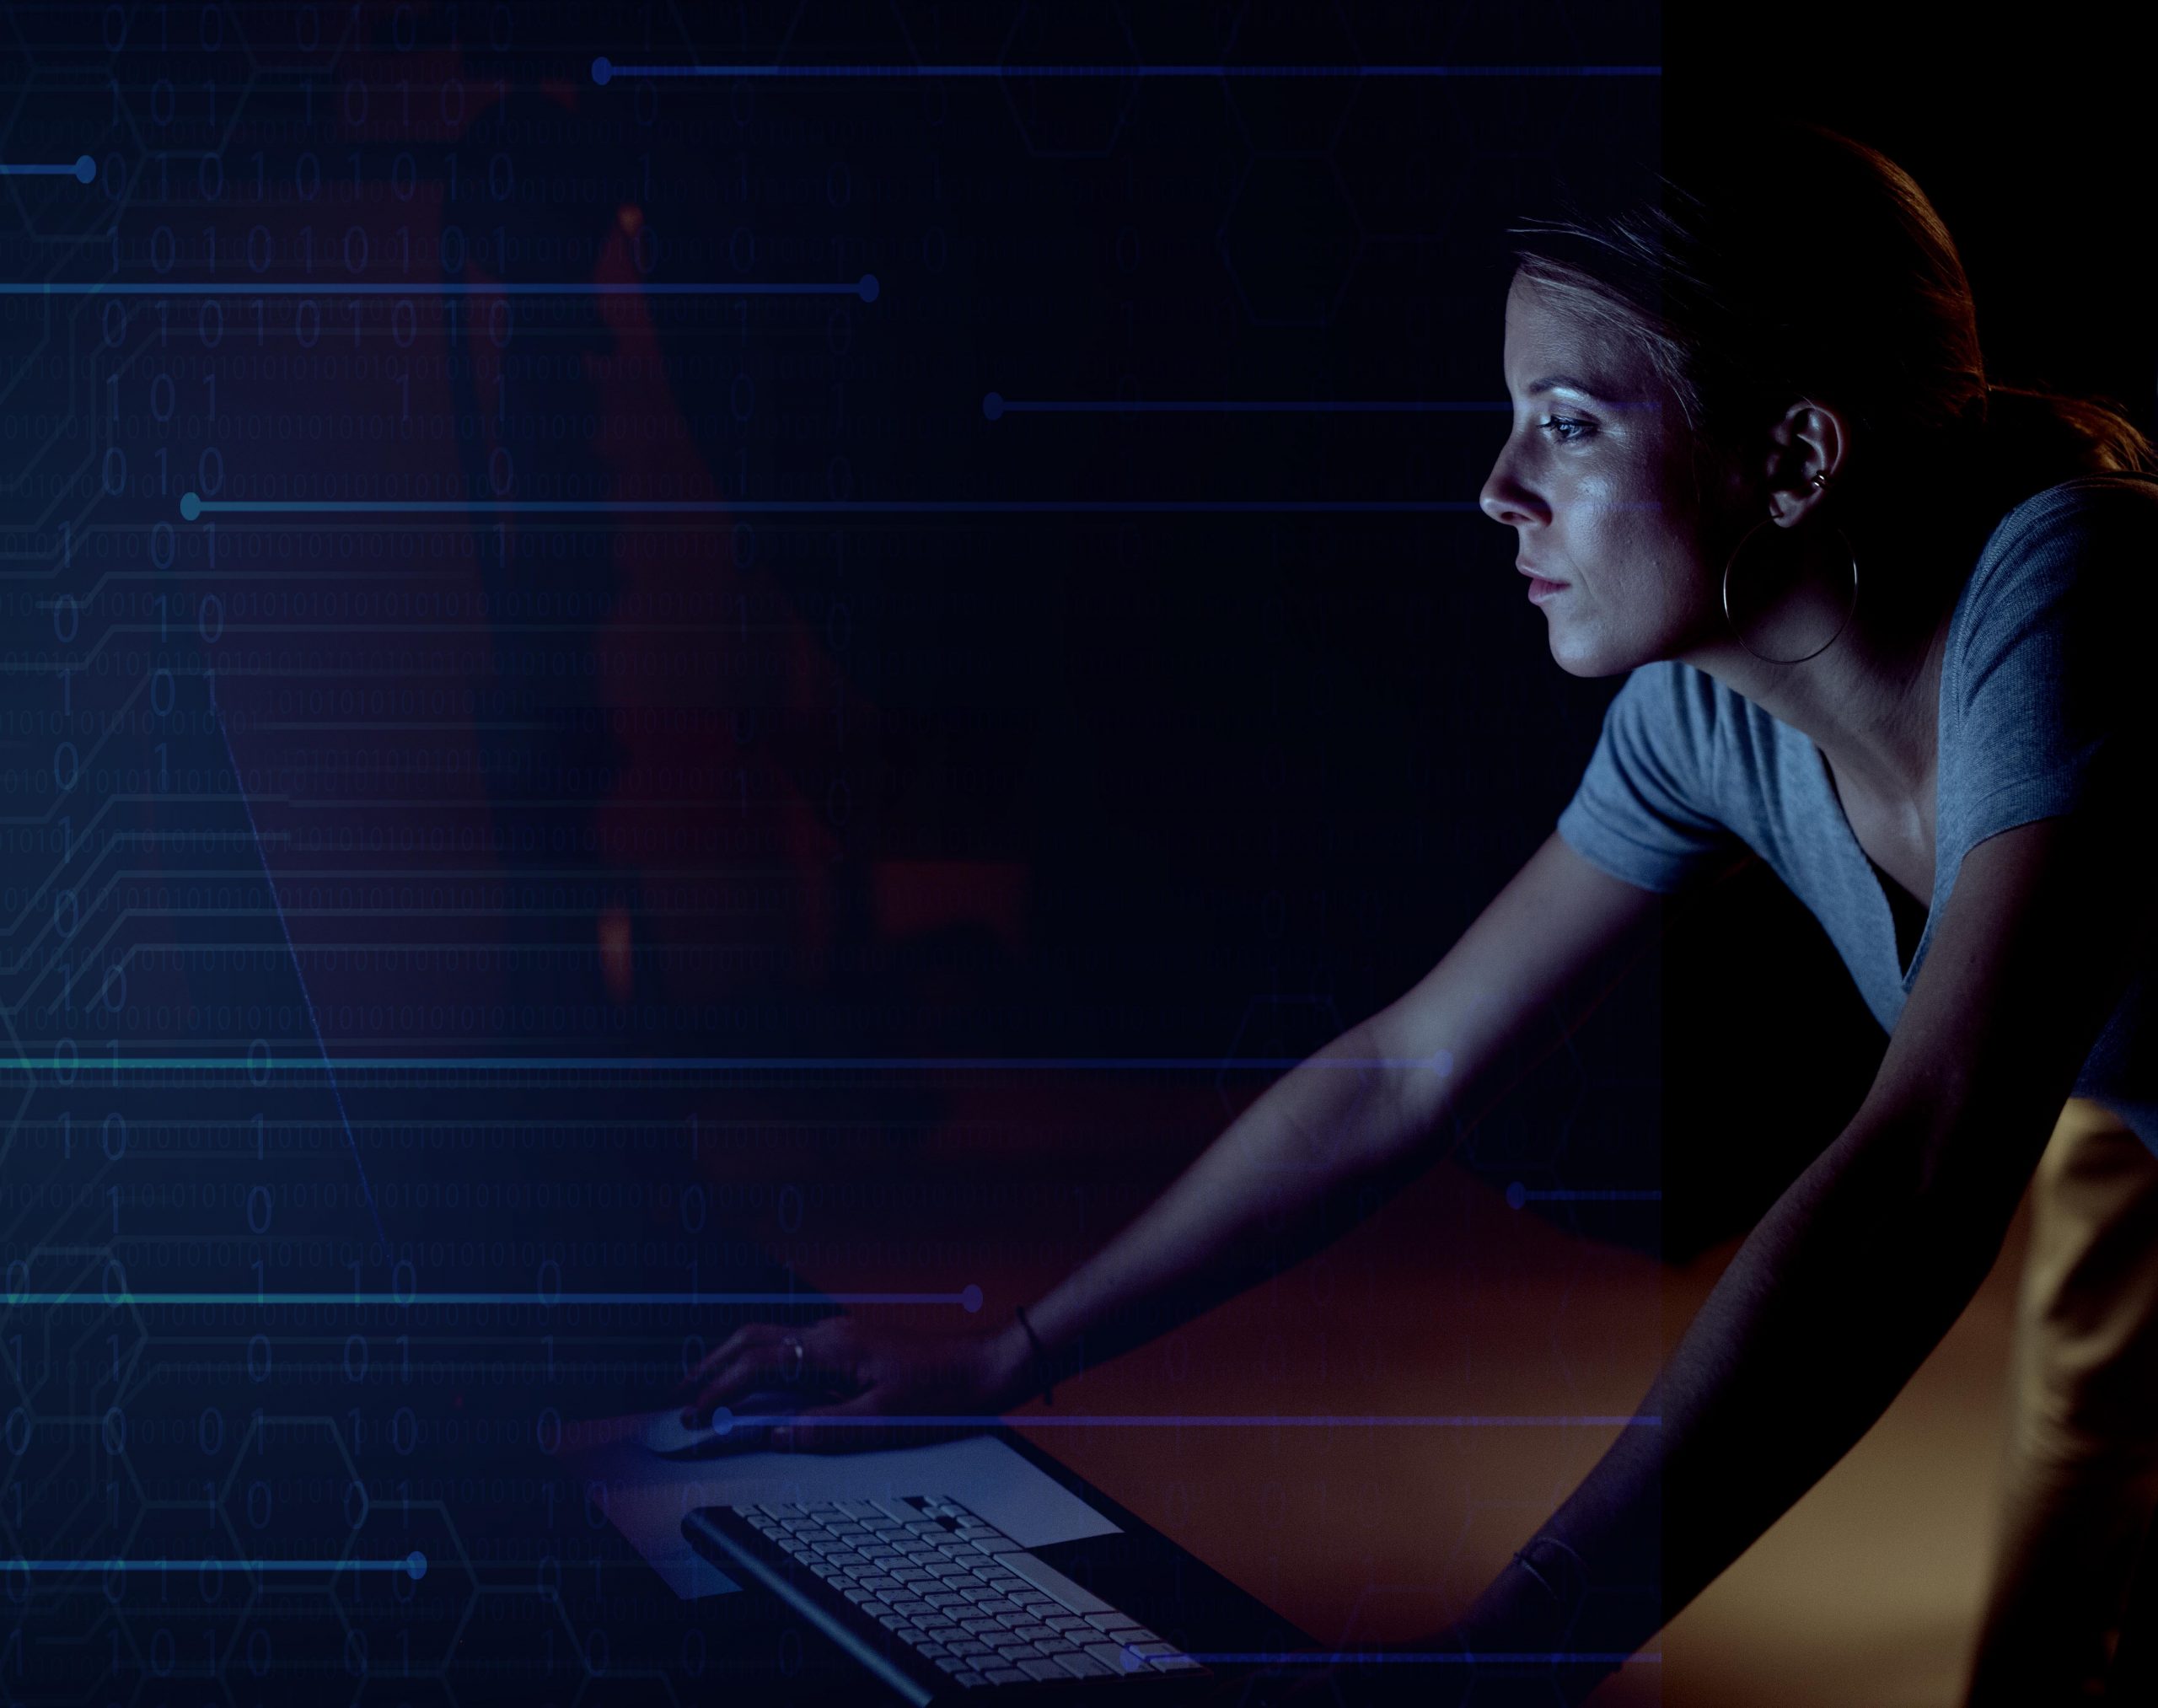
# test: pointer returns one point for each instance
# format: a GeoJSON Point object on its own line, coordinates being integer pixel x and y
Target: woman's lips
{"type": "Point", "coordinates": [1540, 587]}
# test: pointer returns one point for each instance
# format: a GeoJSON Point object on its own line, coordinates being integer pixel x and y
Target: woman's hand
{"type": "Point", "coordinates": [866, 1371]}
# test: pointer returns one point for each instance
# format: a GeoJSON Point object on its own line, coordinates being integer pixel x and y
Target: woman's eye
{"type": "Point", "coordinates": [1580, 429]}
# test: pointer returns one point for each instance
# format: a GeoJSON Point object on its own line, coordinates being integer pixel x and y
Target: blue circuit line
{"type": "Point", "coordinates": [240, 786]}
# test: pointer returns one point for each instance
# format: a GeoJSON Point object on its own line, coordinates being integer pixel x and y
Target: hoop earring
{"type": "Point", "coordinates": [1820, 480]}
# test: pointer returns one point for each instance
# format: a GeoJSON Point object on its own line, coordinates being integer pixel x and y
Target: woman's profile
{"type": "Point", "coordinates": [1877, 616]}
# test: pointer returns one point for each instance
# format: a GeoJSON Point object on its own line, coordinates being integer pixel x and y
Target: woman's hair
{"type": "Point", "coordinates": [1771, 260]}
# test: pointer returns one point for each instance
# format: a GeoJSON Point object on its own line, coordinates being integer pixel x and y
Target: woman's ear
{"type": "Point", "coordinates": [1809, 440]}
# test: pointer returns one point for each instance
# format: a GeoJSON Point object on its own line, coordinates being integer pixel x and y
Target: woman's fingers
{"type": "Point", "coordinates": [726, 1351]}
{"type": "Point", "coordinates": [737, 1367]}
{"type": "Point", "coordinates": [762, 1360]}
{"type": "Point", "coordinates": [752, 1338]}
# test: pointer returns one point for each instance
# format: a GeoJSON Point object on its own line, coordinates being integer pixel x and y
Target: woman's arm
{"type": "Point", "coordinates": [1863, 1265]}
{"type": "Point", "coordinates": [1323, 1146]}
{"type": "Point", "coordinates": [1828, 1309]}
{"type": "Point", "coordinates": [1332, 1140]}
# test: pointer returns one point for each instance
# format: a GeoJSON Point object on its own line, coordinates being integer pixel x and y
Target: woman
{"type": "Point", "coordinates": [1729, 396]}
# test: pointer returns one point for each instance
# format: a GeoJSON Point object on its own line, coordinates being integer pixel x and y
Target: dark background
{"type": "Point", "coordinates": [1160, 801]}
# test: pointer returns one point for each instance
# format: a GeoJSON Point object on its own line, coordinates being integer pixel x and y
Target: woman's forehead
{"type": "Point", "coordinates": [1548, 339]}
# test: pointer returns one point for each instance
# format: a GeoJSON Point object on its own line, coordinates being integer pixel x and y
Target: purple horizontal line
{"type": "Point", "coordinates": [1176, 1421]}
{"type": "Point", "coordinates": [994, 405]}
{"type": "Point", "coordinates": [192, 507]}
{"type": "Point", "coordinates": [866, 287]}
{"type": "Point", "coordinates": [550, 1301]}
{"type": "Point", "coordinates": [1359, 1656]}
{"type": "Point", "coordinates": [1442, 1062]}
{"type": "Point", "coordinates": [604, 70]}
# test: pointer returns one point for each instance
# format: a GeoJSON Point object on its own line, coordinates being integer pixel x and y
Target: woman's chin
{"type": "Point", "coordinates": [1584, 656]}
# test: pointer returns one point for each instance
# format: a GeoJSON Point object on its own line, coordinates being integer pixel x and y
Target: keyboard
{"type": "Point", "coordinates": [941, 1604]}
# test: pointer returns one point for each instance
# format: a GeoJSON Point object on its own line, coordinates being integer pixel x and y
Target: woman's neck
{"type": "Point", "coordinates": [1870, 702]}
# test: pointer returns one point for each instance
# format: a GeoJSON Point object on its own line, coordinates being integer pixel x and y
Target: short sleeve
{"type": "Point", "coordinates": [2044, 713]}
{"type": "Point", "coordinates": [1644, 811]}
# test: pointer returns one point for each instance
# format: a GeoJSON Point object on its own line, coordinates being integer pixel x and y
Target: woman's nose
{"type": "Point", "coordinates": [1501, 498]}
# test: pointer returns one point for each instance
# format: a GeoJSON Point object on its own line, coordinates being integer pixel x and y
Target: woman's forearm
{"type": "Point", "coordinates": [1841, 1293]}
{"type": "Point", "coordinates": [1283, 1180]}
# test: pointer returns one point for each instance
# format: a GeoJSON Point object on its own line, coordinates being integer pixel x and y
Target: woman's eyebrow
{"type": "Point", "coordinates": [1551, 381]}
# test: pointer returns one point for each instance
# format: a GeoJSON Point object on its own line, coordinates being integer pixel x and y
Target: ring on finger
{"type": "Point", "coordinates": [794, 1346]}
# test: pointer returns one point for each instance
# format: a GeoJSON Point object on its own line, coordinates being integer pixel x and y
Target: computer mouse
{"type": "Point", "coordinates": [743, 1427]}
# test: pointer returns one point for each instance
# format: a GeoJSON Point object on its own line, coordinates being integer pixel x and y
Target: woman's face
{"type": "Point", "coordinates": [1594, 480]}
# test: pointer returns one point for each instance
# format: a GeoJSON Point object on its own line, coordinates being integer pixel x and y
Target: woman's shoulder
{"type": "Point", "coordinates": [2038, 547]}
{"type": "Point", "coordinates": [2128, 497]}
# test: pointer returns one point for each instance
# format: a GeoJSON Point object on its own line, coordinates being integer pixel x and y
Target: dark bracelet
{"type": "Point", "coordinates": [1041, 1358]}
{"type": "Point", "coordinates": [1567, 1599]}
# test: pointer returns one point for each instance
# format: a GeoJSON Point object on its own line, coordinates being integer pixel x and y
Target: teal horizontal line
{"type": "Point", "coordinates": [414, 1566]}
{"type": "Point", "coordinates": [82, 170]}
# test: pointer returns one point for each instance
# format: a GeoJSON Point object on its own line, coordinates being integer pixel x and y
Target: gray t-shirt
{"type": "Point", "coordinates": [2041, 713]}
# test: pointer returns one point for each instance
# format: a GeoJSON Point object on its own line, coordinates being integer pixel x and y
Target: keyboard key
{"type": "Point", "coordinates": [960, 1594]}
{"type": "Point", "coordinates": [1050, 1581]}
